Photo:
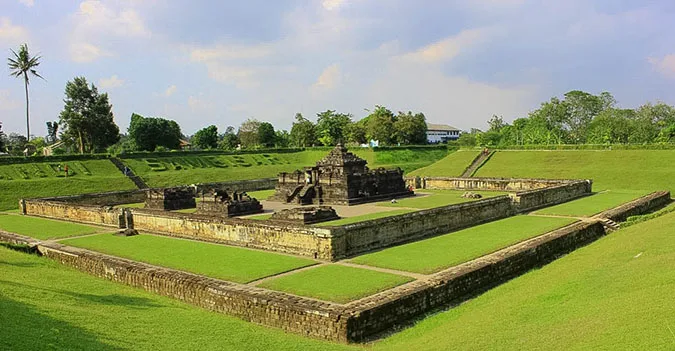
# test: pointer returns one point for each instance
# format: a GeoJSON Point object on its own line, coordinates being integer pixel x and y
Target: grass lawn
{"type": "Point", "coordinates": [41, 228]}
{"type": "Point", "coordinates": [47, 306]}
{"type": "Point", "coordinates": [435, 254]}
{"type": "Point", "coordinates": [452, 165]}
{"type": "Point", "coordinates": [175, 170]}
{"type": "Point", "coordinates": [366, 217]}
{"type": "Point", "coordinates": [30, 180]}
{"type": "Point", "coordinates": [261, 194]}
{"type": "Point", "coordinates": [615, 294]}
{"type": "Point", "coordinates": [643, 170]}
{"type": "Point", "coordinates": [437, 198]}
{"type": "Point", "coordinates": [591, 205]}
{"type": "Point", "coordinates": [335, 283]}
{"type": "Point", "coordinates": [218, 261]}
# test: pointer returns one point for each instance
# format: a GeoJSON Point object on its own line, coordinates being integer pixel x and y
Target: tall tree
{"type": "Point", "coordinates": [248, 133]}
{"type": "Point", "coordinates": [22, 65]}
{"type": "Point", "coordinates": [87, 117]}
{"type": "Point", "coordinates": [148, 133]}
{"type": "Point", "coordinates": [229, 140]}
{"type": "Point", "coordinates": [303, 132]}
{"type": "Point", "coordinates": [266, 134]}
{"type": "Point", "coordinates": [206, 138]}
{"type": "Point", "coordinates": [380, 125]}
{"type": "Point", "coordinates": [410, 129]}
{"type": "Point", "coordinates": [331, 127]}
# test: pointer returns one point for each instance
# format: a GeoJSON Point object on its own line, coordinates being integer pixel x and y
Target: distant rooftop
{"type": "Point", "coordinates": [441, 127]}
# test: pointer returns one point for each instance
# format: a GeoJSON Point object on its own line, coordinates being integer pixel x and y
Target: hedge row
{"type": "Point", "coordinates": [661, 146]}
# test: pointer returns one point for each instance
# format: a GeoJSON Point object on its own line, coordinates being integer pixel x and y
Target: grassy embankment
{"type": "Point", "coordinates": [615, 294]}
{"type": "Point", "coordinates": [453, 165]}
{"type": "Point", "coordinates": [29, 180]}
{"type": "Point", "coordinates": [176, 170]}
{"type": "Point", "coordinates": [41, 228]}
{"type": "Point", "coordinates": [218, 261]}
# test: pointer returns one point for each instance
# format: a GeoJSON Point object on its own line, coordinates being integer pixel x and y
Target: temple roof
{"type": "Point", "coordinates": [339, 156]}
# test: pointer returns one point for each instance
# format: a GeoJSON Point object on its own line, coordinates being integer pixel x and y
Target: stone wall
{"type": "Point", "coordinates": [534, 199]}
{"type": "Point", "coordinates": [269, 235]}
{"type": "Point", "coordinates": [112, 198]}
{"type": "Point", "coordinates": [291, 313]}
{"type": "Point", "coordinates": [383, 311]}
{"type": "Point", "coordinates": [104, 215]}
{"type": "Point", "coordinates": [361, 237]}
{"type": "Point", "coordinates": [639, 206]}
{"type": "Point", "coordinates": [477, 183]}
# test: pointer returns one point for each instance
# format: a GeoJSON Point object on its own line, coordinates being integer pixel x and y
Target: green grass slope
{"type": "Point", "coordinates": [41, 228]}
{"type": "Point", "coordinates": [640, 170]}
{"type": "Point", "coordinates": [40, 179]}
{"type": "Point", "coordinates": [591, 205]}
{"type": "Point", "coordinates": [174, 170]}
{"type": "Point", "coordinates": [218, 261]}
{"type": "Point", "coordinates": [452, 165]}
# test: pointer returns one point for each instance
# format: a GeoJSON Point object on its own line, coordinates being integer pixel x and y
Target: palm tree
{"type": "Point", "coordinates": [21, 65]}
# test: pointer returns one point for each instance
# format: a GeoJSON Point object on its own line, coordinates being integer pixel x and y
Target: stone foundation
{"type": "Point", "coordinates": [170, 199]}
{"type": "Point", "coordinates": [306, 215]}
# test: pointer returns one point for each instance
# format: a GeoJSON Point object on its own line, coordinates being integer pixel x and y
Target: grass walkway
{"type": "Point", "coordinates": [218, 261]}
{"type": "Point", "coordinates": [591, 205]}
{"type": "Point", "coordinates": [366, 217]}
{"type": "Point", "coordinates": [435, 254]}
{"type": "Point", "coordinates": [41, 228]}
{"type": "Point", "coordinates": [437, 198]}
{"type": "Point", "coordinates": [335, 283]}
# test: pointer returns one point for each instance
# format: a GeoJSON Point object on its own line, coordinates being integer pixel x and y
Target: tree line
{"type": "Point", "coordinates": [580, 118]}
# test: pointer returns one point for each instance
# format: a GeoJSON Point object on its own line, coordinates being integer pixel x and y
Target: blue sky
{"type": "Point", "coordinates": [220, 62]}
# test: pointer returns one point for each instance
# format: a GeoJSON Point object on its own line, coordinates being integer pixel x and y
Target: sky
{"type": "Point", "coordinates": [221, 62]}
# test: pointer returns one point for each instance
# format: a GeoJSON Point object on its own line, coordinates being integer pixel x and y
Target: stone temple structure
{"type": "Point", "coordinates": [222, 203]}
{"type": "Point", "coordinates": [340, 178]}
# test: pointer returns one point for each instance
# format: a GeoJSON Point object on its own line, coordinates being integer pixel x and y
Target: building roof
{"type": "Point", "coordinates": [441, 127]}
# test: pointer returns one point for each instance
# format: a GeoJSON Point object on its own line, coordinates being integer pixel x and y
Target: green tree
{"type": "Point", "coordinates": [282, 138]}
{"type": "Point", "coordinates": [303, 132]}
{"type": "Point", "coordinates": [467, 139]}
{"type": "Point", "coordinates": [87, 117]}
{"type": "Point", "coordinates": [248, 133]}
{"type": "Point", "coordinates": [356, 132]}
{"type": "Point", "coordinates": [496, 123]}
{"type": "Point", "coordinates": [667, 134]}
{"type": "Point", "coordinates": [380, 125]}
{"type": "Point", "coordinates": [410, 129]}
{"type": "Point", "coordinates": [266, 134]}
{"type": "Point", "coordinates": [149, 133]}
{"type": "Point", "coordinates": [331, 127]}
{"type": "Point", "coordinates": [612, 126]}
{"type": "Point", "coordinates": [229, 140]}
{"type": "Point", "coordinates": [582, 107]}
{"type": "Point", "coordinates": [23, 65]}
{"type": "Point", "coordinates": [206, 138]}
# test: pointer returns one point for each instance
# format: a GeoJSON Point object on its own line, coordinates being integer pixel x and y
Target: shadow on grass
{"type": "Point", "coordinates": [22, 327]}
{"type": "Point", "coordinates": [112, 299]}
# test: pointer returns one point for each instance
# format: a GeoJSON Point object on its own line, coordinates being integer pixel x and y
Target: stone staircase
{"type": "Point", "coordinates": [130, 174]}
{"type": "Point", "coordinates": [609, 224]}
{"type": "Point", "coordinates": [477, 163]}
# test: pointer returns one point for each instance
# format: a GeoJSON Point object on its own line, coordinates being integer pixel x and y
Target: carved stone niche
{"type": "Point", "coordinates": [306, 215]}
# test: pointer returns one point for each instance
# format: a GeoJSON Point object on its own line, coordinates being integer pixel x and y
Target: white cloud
{"type": "Point", "coordinates": [110, 83]}
{"type": "Point", "coordinates": [333, 4]}
{"type": "Point", "coordinates": [665, 65]}
{"type": "Point", "coordinates": [82, 52]}
{"type": "Point", "coordinates": [329, 78]}
{"type": "Point", "coordinates": [199, 103]}
{"type": "Point", "coordinates": [448, 48]}
{"type": "Point", "coordinates": [28, 3]}
{"type": "Point", "coordinates": [170, 90]}
{"type": "Point", "coordinates": [12, 34]}
{"type": "Point", "coordinates": [230, 52]}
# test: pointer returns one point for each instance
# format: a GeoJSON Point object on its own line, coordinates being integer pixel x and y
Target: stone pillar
{"type": "Point", "coordinates": [22, 206]}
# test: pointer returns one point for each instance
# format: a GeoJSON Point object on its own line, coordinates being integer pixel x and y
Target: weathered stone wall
{"type": "Point", "coordinates": [273, 236]}
{"type": "Point", "coordinates": [477, 183]}
{"type": "Point", "coordinates": [534, 199]}
{"type": "Point", "coordinates": [365, 236]}
{"type": "Point", "coordinates": [105, 215]}
{"type": "Point", "coordinates": [639, 206]}
{"type": "Point", "coordinates": [291, 313]}
{"type": "Point", "coordinates": [383, 311]}
{"type": "Point", "coordinates": [112, 198]}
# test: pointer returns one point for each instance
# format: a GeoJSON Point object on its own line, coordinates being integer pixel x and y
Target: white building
{"type": "Point", "coordinates": [441, 133]}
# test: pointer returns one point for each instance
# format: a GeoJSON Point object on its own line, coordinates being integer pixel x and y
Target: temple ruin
{"type": "Point", "coordinates": [340, 178]}
{"type": "Point", "coordinates": [222, 203]}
